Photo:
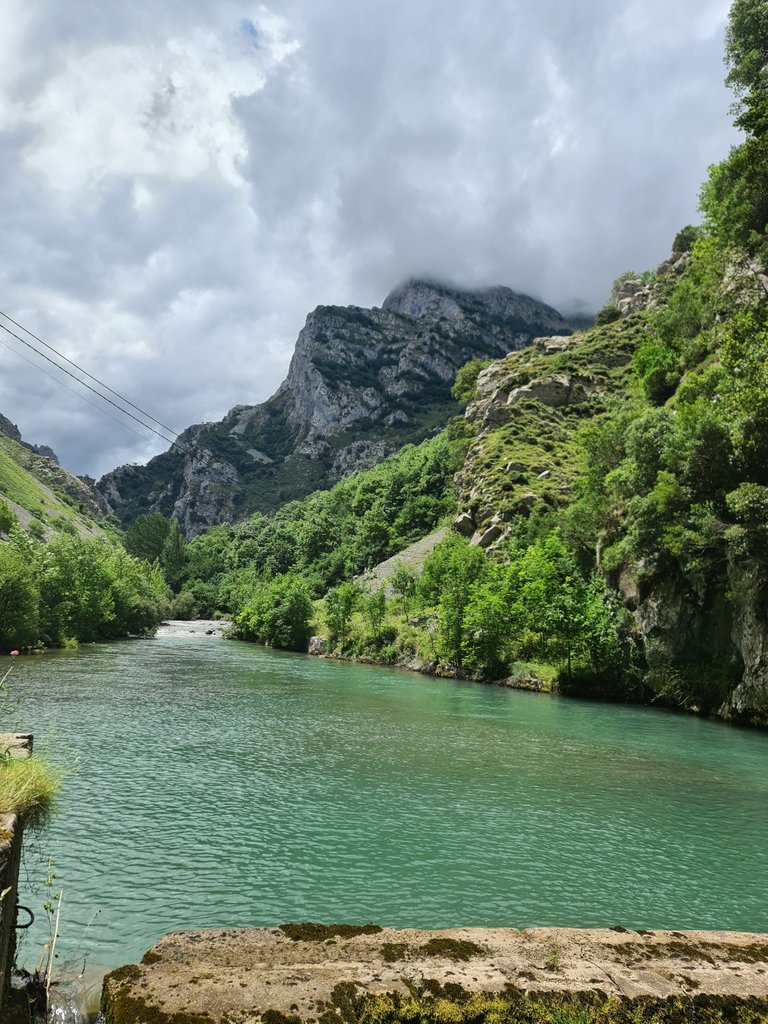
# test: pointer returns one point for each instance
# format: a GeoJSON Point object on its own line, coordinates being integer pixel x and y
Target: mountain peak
{"type": "Point", "coordinates": [425, 298]}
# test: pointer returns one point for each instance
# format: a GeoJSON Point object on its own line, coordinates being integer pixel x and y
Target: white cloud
{"type": "Point", "coordinates": [180, 183]}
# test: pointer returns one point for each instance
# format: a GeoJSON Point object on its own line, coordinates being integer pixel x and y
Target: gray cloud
{"type": "Point", "coordinates": [181, 183]}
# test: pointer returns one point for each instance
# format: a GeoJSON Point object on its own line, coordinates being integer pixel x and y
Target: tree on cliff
{"type": "Point", "coordinates": [734, 198]}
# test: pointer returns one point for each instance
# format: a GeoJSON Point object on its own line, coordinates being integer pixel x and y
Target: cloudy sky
{"type": "Point", "coordinates": [181, 181]}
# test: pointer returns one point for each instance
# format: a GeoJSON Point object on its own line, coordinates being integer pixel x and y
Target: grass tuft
{"type": "Point", "coordinates": [28, 788]}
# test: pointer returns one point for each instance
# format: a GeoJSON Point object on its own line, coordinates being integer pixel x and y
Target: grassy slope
{"type": "Point", "coordinates": [534, 453]}
{"type": "Point", "coordinates": [45, 498]}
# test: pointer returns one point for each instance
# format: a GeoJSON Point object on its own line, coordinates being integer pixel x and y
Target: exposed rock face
{"type": "Point", "coordinates": [12, 431]}
{"type": "Point", "coordinates": [317, 646]}
{"type": "Point", "coordinates": [749, 701]}
{"type": "Point", "coordinates": [359, 455]}
{"type": "Point", "coordinates": [635, 294]}
{"type": "Point", "coordinates": [361, 383]}
{"type": "Point", "coordinates": [686, 635]}
{"type": "Point", "coordinates": [9, 429]}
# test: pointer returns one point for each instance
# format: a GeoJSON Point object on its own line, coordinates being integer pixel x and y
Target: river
{"type": "Point", "coordinates": [220, 783]}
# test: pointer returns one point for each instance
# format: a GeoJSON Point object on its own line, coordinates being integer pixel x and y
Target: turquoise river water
{"type": "Point", "coordinates": [219, 783]}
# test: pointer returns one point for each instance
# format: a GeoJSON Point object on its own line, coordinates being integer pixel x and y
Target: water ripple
{"type": "Point", "coordinates": [225, 784]}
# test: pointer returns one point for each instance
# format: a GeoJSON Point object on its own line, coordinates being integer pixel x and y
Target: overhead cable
{"type": "Point", "coordinates": [147, 426]}
{"type": "Point", "coordinates": [90, 376]}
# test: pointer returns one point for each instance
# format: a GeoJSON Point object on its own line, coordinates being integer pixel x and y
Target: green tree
{"type": "Point", "coordinates": [340, 603]}
{"type": "Point", "coordinates": [685, 238]}
{"type": "Point", "coordinates": [19, 600]}
{"type": "Point", "coordinates": [403, 583]}
{"type": "Point", "coordinates": [173, 555]}
{"type": "Point", "coordinates": [7, 517]}
{"type": "Point", "coordinates": [374, 607]}
{"type": "Point", "coordinates": [734, 198]}
{"type": "Point", "coordinates": [464, 389]}
{"type": "Point", "coordinates": [146, 536]}
{"type": "Point", "coordinates": [488, 624]}
{"type": "Point", "coordinates": [279, 614]}
{"type": "Point", "coordinates": [746, 56]}
{"type": "Point", "coordinates": [76, 598]}
{"type": "Point", "coordinates": [448, 575]}
{"type": "Point", "coordinates": [139, 594]}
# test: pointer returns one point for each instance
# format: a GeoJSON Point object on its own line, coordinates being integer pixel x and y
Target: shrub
{"type": "Point", "coordinates": [607, 315]}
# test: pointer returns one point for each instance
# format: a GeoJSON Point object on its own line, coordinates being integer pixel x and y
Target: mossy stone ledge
{"type": "Point", "coordinates": [344, 974]}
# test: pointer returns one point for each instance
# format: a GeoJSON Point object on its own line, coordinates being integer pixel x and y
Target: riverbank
{"type": "Point", "coordinates": [526, 679]}
{"type": "Point", "coordinates": [305, 973]}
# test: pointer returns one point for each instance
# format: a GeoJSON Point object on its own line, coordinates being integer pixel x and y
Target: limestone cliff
{"type": "Point", "coordinates": [361, 383]}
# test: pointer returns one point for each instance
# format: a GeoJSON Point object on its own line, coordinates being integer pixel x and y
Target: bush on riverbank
{"type": "Point", "coordinates": [482, 618]}
{"type": "Point", "coordinates": [72, 589]}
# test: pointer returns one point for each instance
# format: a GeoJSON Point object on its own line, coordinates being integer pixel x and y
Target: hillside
{"type": "Point", "coordinates": [361, 384]}
{"type": "Point", "coordinates": [44, 498]}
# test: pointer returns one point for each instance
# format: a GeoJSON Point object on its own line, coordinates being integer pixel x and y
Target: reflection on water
{"type": "Point", "coordinates": [224, 784]}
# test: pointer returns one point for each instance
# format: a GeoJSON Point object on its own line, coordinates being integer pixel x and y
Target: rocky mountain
{"type": "Point", "coordinates": [361, 384]}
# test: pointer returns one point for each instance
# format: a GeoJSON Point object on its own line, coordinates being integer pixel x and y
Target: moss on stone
{"type": "Point", "coordinates": [451, 949]}
{"type": "Point", "coordinates": [394, 951]}
{"type": "Point", "coordinates": [312, 932]}
{"type": "Point", "coordinates": [681, 949]}
{"type": "Point", "coordinates": [273, 1016]}
{"type": "Point", "coordinates": [514, 1006]}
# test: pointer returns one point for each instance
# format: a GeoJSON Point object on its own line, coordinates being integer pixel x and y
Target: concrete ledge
{"type": "Point", "coordinates": [299, 973]}
{"type": "Point", "coordinates": [16, 744]}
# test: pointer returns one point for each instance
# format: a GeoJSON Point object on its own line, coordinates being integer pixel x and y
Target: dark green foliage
{"type": "Point", "coordinates": [340, 602]}
{"type": "Point", "coordinates": [145, 538]}
{"type": "Point", "coordinates": [278, 614]}
{"type": "Point", "coordinates": [19, 600]}
{"type": "Point", "coordinates": [173, 554]}
{"type": "Point", "coordinates": [464, 389]}
{"type": "Point", "coordinates": [330, 535]}
{"type": "Point", "coordinates": [746, 56]}
{"type": "Point", "coordinates": [685, 238]}
{"type": "Point", "coordinates": [607, 314]}
{"type": "Point", "coordinates": [658, 367]}
{"type": "Point", "coordinates": [7, 517]}
{"type": "Point", "coordinates": [73, 589]}
{"type": "Point", "coordinates": [735, 198]}
{"type": "Point", "coordinates": [449, 573]}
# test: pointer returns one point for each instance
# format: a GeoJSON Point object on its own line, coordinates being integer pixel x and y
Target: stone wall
{"type": "Point", "coordinates": [10, 859]}
{"type": "Point", "coordinates": [11, 745]}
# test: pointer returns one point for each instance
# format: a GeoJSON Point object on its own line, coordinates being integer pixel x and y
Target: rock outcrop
{"type": "Point", "coordinates": [361, 383]}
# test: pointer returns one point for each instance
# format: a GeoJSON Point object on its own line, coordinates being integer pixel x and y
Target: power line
{"type": "Point", "coordinates": [147, 426]}
{"type": "Point", "coordinates": [71, 390]}
{"type": "Point", "coordinates": [90, 376]}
